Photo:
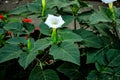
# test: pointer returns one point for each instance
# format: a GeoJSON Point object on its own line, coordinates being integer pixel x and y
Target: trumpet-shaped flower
{"type": "Point", "coordinates": [108, 1]}
{"type": "Point", "coordinates": [54, 21]}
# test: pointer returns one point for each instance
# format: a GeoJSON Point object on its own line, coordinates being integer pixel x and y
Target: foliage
{"type": "Point", "coordinates": [88, 51]}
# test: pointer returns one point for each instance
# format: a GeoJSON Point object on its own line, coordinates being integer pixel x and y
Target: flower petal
{"type": "Point", "coordinates": [54, 21]}
{"type": "Point", "coordinates": [108, 1]}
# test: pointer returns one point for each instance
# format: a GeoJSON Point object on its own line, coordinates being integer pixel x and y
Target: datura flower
{"type": "Point", "coordinates": [54, 21]}
{"type": "Point", "coordinates": [108, 1]}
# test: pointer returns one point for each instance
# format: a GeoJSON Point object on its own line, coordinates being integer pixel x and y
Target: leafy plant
{"type": "Point", "coordinates": [88, 51]}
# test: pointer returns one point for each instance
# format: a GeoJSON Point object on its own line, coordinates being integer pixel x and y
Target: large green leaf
{"type": "Point", "coordinates": [84, 17]}
{"type": "Point", "coordinates": [17, 40]}
{"type": "Point", "coordinates": [25, 59]}
{"type": "Point", "coordinates": [45, 29]}
{"type": "Point", "coordinates": [100, 16]}
{"type": "Point", "coordinates": [68, 19]}
{"type": "Point", "coordinates": [89, 39]}
{"type": "Point", "coordinates": [113, 57]}
{"type": "Point", "coordinates": [108, 65]}
{"type": "Point", "coordinates": [109, 57]}
{"type": "Point", "coordinates": [103, 28]}
{"type": "Point", "coordinates": [41, 44]}
{"type": "Point", "coordinates": [97, 55]}
{"type": "Point", "coordinates": [34, 7]}
{"type": "Point", "coordinates": [19, 10]}
{"type": "Point", "coordinates": [93, 55]}
{"type": "Point", "coordinates": [70, 70]}
{"type": "Point", "coordinates": [9, 52]}
{"type": "Point", "coordinates": [29, 27]}
{"type": "Point", "coordinates": [94, 75]}
{"type": "Point", "coordinates": [1, 31]}
{"type": "Point", "coordinates": [68, 36]}
{"type": "Point", "coordinates": [117, 11]}
{"type": "Point", "coordinates": [67, 51]}
{"type": "Point", "coordinates": [15, 27]}
{"type": "Point", "coordinates": [59, 3]}
{"type": "Point", "coordinates": [38, 74]}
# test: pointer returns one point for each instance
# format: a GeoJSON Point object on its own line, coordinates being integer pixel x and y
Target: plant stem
{"type": "Point", "coordinates": [111, 9]}
{"type": "Point", "coordinates": [28, 44]}
{"type": "Point", "coordinates": [41, 65]}
{"type": "Point", "coordinates": [43, 7]}
{"type": "Point", "coordinates": [75, 22]}
{"type": "Point", "coordinates": [54, 35]}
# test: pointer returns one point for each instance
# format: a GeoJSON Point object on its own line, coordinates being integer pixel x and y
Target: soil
{"type": "Point", "coordinates": [6, 5]}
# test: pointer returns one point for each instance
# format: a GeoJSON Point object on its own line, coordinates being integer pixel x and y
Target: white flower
{"type": "Point", "coordinates": [54, 21]}
{"type": "Point", "coordinates": [108, 1]}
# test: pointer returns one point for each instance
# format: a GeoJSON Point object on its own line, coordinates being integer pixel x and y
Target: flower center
{"type": "Point", "coordinates": [54, 23]}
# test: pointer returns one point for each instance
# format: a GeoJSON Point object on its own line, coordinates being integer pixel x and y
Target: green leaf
{"type": "Point", "coordinates": [41, 44]}
{"type": "Point", "coordinates": [117, 11]}
{"type": "Point", "coordinates": [100, 16]}
{"type": "Point", "coordinates": [84, 17]}
{"type": "Point", "coordinates": [17, 40]}
{"type": "Point", "coordinates": [19, 10]}
{"type": "Point", "coordinates": [70, 70]}
{"type": "Point", "coordinates": [89, 39]}
{"type": "Point", "coordinates": [29, 27]}
{"type": "Point", "coordinates": [45, 29]}
{"type": "Point", "coordinates": [68, 36]}
{"type": "Point", "coordinates": [67, 52]}
{"type": "Point", "coordinates": [9, 52]}
{"type": "Point", "coordinates": [103, 69]}
{"type": "Point", "coordinates": [103, 28]}
{"type": "Point", "coordinates": [14, 19]}
{"type": "Point", "coordinates": [38, 74]}
{"type": "Point", "coordinates": [92, 75]}
{"type": "Point", "coordinates": [1, 31]}
{"type": "Point", "coordinates": [59, 3]}
{"type": "Point", "coordinates": [34, 7]}
{"type": "Point", "coordinates": [97, 55]}
{"type": "Point", "coordinates": [68, 19]}
{"type": "Point", "coordinates": [17, 26]}
{"type": "Point", "coordinates": [97, 17]}
{"type": "Point", "coordinates": [25, 59]}
{"type": "Point", "coordinates": [113, 57]}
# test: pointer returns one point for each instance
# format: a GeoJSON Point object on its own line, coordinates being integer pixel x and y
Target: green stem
{"type": "Point", "coordinates": [111, 10]}
{"type": "Point", "coordinates": [43, 7]}
{"type": "Point", "coordinates": [28, 44]}
{"type": "Point", "coordinates": [41, 65]}
{"type": "Point", "coordinates": [54, 35]}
